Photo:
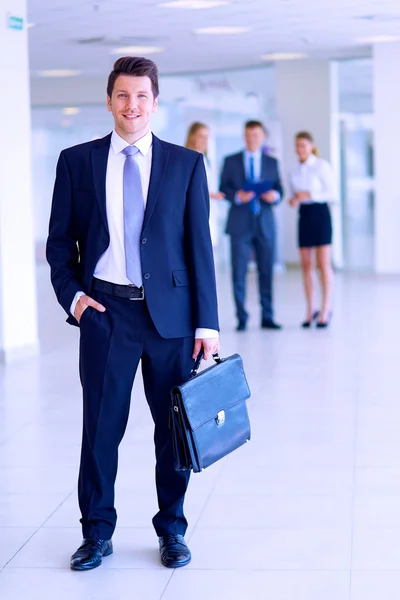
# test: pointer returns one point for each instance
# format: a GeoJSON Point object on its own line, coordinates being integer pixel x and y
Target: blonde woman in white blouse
{"type": "Point", "coordinates": [312, 188]}
{"type": "Point", "coordinates": [197, 139]}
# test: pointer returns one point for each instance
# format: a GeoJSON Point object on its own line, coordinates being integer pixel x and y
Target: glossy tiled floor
{"type": "Point", "coordinates": [310, 510]}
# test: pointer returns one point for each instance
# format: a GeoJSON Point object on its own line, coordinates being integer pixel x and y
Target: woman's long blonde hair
{"type": "Point", "coordinates": [306, 135]}
{"type": "Point", "coordinates": [193, 129]}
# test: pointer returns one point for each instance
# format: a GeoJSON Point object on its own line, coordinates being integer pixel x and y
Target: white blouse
{"type": "Point", "coordinates": [316, 177]}
{"type": "Point", "coordinates": [214, 204]}
{"type": "Point", "coordinates": [211, 176]}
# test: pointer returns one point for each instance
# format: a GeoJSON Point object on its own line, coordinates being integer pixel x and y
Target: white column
{"type": "Point", "coordinates": [18, 315]}
{"type": "Point", "coordinates": [307, 98]}
{"type": "Point", "coordinates": [386, 98]}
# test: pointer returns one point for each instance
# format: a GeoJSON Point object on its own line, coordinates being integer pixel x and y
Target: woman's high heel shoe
{"type": "Point", "coordinates": [307, 324]}
{"type": "Point", "coordinates": [324, 324]}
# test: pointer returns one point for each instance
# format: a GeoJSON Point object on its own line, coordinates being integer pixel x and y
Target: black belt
{"type": "Point", "coordinates": [129, 292]}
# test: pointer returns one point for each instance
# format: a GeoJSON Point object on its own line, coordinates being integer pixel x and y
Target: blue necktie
{"type": "Point", "coordinates": [133, 215]}
{"type": "Point", "coordinates": [254, 205]}
{"type": "Point", "coordinates": [251, 169]}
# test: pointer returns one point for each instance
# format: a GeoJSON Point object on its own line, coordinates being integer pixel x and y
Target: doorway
{"type": "Point", "coordinates": [357, 190]}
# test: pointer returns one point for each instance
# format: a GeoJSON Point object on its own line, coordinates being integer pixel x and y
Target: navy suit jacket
{"type": "Point", "coordinates": [176, 250]}
{"type": "Point", "coordinates": [240, 220]}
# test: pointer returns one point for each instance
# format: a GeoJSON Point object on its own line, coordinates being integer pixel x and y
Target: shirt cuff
{"type": "Point", "coordinates": [237, 199]}
{"type": "Point", "coordinates": [75, 302]}
{"type": "Point", "coordinates": [202, 334]}
{"type": "Point", "coordinates": [277, 196]}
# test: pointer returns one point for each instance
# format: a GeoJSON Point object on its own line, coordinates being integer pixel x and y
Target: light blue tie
{"type": "Point", "coordinates": [133, 215]}
{"type": "Point", "coordinates": [254, 205]}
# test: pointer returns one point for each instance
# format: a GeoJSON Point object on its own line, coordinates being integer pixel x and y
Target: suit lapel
{"type": "Point", "coordinates": [99, 170]}
{"type": "Point", "coordinates": [242, 167]}
{"type": "Point", "coordinates": [264, 166]}
{"type": "Point", "coordinates": [159, 163]}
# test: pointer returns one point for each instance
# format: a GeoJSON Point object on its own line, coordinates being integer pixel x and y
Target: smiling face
{"type": "Point", "coordinates": [200, 140]}
{"type": "Point", "coordinates": [303, 148]}
{"type": "Point", "coordinates": [132, 104]}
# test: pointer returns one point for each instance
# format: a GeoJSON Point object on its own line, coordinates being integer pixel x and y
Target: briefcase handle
{"type": "Point", "coordinates": [197, 364]}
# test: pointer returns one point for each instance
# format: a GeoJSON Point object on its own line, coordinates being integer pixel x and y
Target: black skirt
{"type": "Point", "coordinates": [315, 225]}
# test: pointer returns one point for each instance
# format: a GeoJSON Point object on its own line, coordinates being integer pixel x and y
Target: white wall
{"type": "Point", "coordinates": [18, 320]}
{"type": "Point", "coordinates": [307, 98]}
{"type": "Point", "coordinates": [386, 90]}
{"type": "Point", "coordinates": [68, 91]}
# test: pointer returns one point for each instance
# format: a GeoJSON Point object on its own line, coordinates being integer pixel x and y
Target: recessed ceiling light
{"type": "Point", "coordinates": [222, 30]}
{"type": "Point", "coordinates": [30, 25]}
{"type": "Point", "coordinates": [137, 50]}
{"type": "Point", "coordinates": [284, 56]}
{"type": "Point", "coordinates": [59, 73]}
{"type": "Point", "coordinates": [378, 39]}
{"type": "Point", "coordinates": [70, 111]}
{"type": "Point", "coordinates": [194, 4]}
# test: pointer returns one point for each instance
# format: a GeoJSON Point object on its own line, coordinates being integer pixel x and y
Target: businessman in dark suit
{"type": "Point", "coordinates": [251, 221]}
{"type": "Point", "coordinates": [131, 263]}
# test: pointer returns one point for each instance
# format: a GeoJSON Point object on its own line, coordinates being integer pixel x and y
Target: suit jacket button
{"type": "Point", "coordinates": [147, 275]}
{"type": "Point", "coordinates": [144, 240]}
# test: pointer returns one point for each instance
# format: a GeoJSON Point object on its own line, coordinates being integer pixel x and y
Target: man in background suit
{"type": "Point", "coordinates": [131, 263]}
{"type": "Point", "coordinates": [251, 221]}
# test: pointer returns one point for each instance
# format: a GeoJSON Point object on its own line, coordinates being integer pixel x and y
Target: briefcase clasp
{"type": "Point", "coordinates": [220, 418]}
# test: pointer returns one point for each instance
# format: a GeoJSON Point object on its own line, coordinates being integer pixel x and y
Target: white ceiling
{"type": "Point", "coordinates": [320, 28]}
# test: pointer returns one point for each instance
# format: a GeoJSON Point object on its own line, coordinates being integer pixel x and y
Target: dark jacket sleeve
{"type": "Point", "coordinates": [61, 249]}
{"type": "Point", "coordinates": [227, 187]}
{"type": "Point", "coordinates": [278, 182]}
{"type": "Point", "coordinates": [199, 248]}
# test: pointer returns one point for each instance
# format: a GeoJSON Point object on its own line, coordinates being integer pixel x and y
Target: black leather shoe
{"type": "Point", "coordinates": [90, 554]}
{"type": "Point", "coordinates": [242, 326]}
{"type": "Point", "coordinates": [174, 551]}
{"type": "Point", "coordinates": [269, 324]}
{"type": "Point", "coordinates": [307, 324]}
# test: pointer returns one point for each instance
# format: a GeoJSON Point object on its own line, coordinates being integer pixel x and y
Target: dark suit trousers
{"type": "Point", "coordinates": [111, 346]}
{"type": "Point", "coordinates": [264, 248]}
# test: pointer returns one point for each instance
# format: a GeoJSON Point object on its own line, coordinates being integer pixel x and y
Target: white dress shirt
{"type": "Point", "coordinates": [112, 265]}
{"type": "Point", "coordinates": [315, 176]}
{"type": "Point", "coordinates": [257, 164]}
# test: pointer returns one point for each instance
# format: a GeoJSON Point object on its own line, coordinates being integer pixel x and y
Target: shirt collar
{"type": "Point", "coordinates": [256, 154]}
{"type": "Point", "coordinates": [143, 145]}
{"type": "Point", "coordinates": [311, 160]}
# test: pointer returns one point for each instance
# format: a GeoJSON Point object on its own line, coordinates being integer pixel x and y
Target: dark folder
{"type": "Point", "coordinates": [259, 187]}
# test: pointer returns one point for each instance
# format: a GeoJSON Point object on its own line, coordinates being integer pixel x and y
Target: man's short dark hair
{"type": "Point", "coordinates": [136, 66]}
{"type": "Point", "coordinates": [253, 124]}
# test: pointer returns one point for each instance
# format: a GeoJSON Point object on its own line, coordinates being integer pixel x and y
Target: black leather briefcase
{"type": "Point", "coordinates": [209, 417]}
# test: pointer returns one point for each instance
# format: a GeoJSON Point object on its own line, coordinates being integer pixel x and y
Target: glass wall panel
{"type": "Point", "coordinates": [355, 123]}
